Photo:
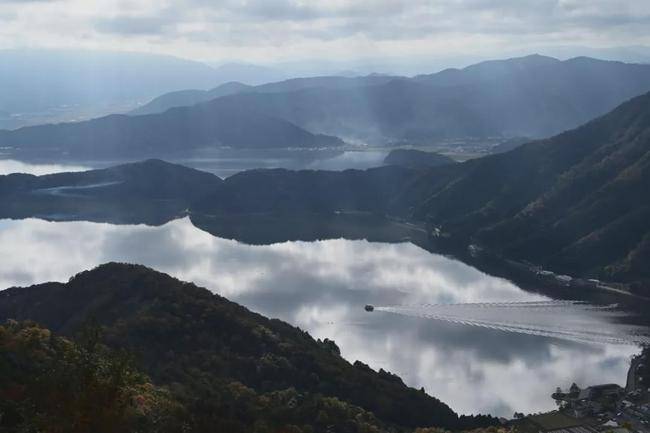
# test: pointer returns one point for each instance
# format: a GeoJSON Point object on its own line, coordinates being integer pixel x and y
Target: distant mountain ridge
{"type": "Point", "coordinates": [176, 132]}
{"type": "Point", "coordinates": [192, 97]}
{"type": "Point", "coordinates": [186, 98]}
{"type": "Point", "coordinates": [533, 96]}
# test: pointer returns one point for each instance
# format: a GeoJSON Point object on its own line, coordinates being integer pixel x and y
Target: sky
{"type": "Point", "coordinates": [271, 31]}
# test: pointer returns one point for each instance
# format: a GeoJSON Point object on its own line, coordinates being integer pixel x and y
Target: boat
{"type": "Point", "coordinates": [369, 308]}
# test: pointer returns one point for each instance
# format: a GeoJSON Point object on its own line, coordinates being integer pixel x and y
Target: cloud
{"type": "Point", "coordinates": [7, 16]}
{"type": "Point", "coordinates": [268, 30]}
{"type": "Point", "coordinates": [26, 1]}
{"type": "Point", "coordinates": [134, 25]}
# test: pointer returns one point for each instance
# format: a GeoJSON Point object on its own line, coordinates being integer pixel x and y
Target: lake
{"type": "Point", "coordinates": [9, 166]}
{"type": "Point", "coordinates": [322, 287]}
{"type": "Point", "coordinates": [225, 164]}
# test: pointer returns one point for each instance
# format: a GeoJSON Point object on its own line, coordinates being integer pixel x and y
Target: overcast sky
{"type": "Point", "coordinates": [269, 31]}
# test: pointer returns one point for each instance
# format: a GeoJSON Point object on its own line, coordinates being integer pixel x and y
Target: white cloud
{"type": "Point", "coordinates": [268, 30]}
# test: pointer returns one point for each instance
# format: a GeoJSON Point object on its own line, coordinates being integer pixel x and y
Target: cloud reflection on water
{"type": "Point", "coordinates": [322, 287]}
{"type": "Point", "coordinates": [9, 166]}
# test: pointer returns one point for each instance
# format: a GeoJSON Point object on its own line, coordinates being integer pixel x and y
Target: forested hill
{"type": "Point", "coordinates": [577, 202]}
{"type": "Point", "coordinates": [154, 192]}
{"type": "Point", "coordinates": [177, 132]}
{"type": "Point", "coordinates": [150, 192]}
{"type": "Point", "coordinates": [232, 369]}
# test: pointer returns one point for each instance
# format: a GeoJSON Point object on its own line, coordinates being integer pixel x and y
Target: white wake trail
{"type": "Point", "coordinates": [568, 320]}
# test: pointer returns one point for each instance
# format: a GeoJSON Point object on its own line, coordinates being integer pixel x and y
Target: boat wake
{"type": "Point", "coordinates": [568, 320]}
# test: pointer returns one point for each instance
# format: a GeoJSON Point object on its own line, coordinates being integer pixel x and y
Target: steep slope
{"type": "Point", "coordinates": [176, 132]}
{"type": "Point", "coordinates": [576, 202]}
{"type": "Point", "coordinates": [205, 347]}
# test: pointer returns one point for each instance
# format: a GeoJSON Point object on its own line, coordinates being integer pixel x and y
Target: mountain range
{"type": "Point", "coordinates": [175, 133]}
{"type": "Point", "coordinates": [574, 203]}
{"type": "Point", "coordinates": [533, 96]}
{"type": "Point", "coordinates": [46, 86]}
{"type": "Point", "coordinates": [186, 98]}
{"type": "Point", "coordinates": [191, 97]}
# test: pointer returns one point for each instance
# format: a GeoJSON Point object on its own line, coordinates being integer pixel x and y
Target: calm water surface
{"type": "Point", "coordinates": [220, 166]}
{"type": "Point", "coordinates": [322, 287]}
{"type": "Point", "coordinates": [9, 166]}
